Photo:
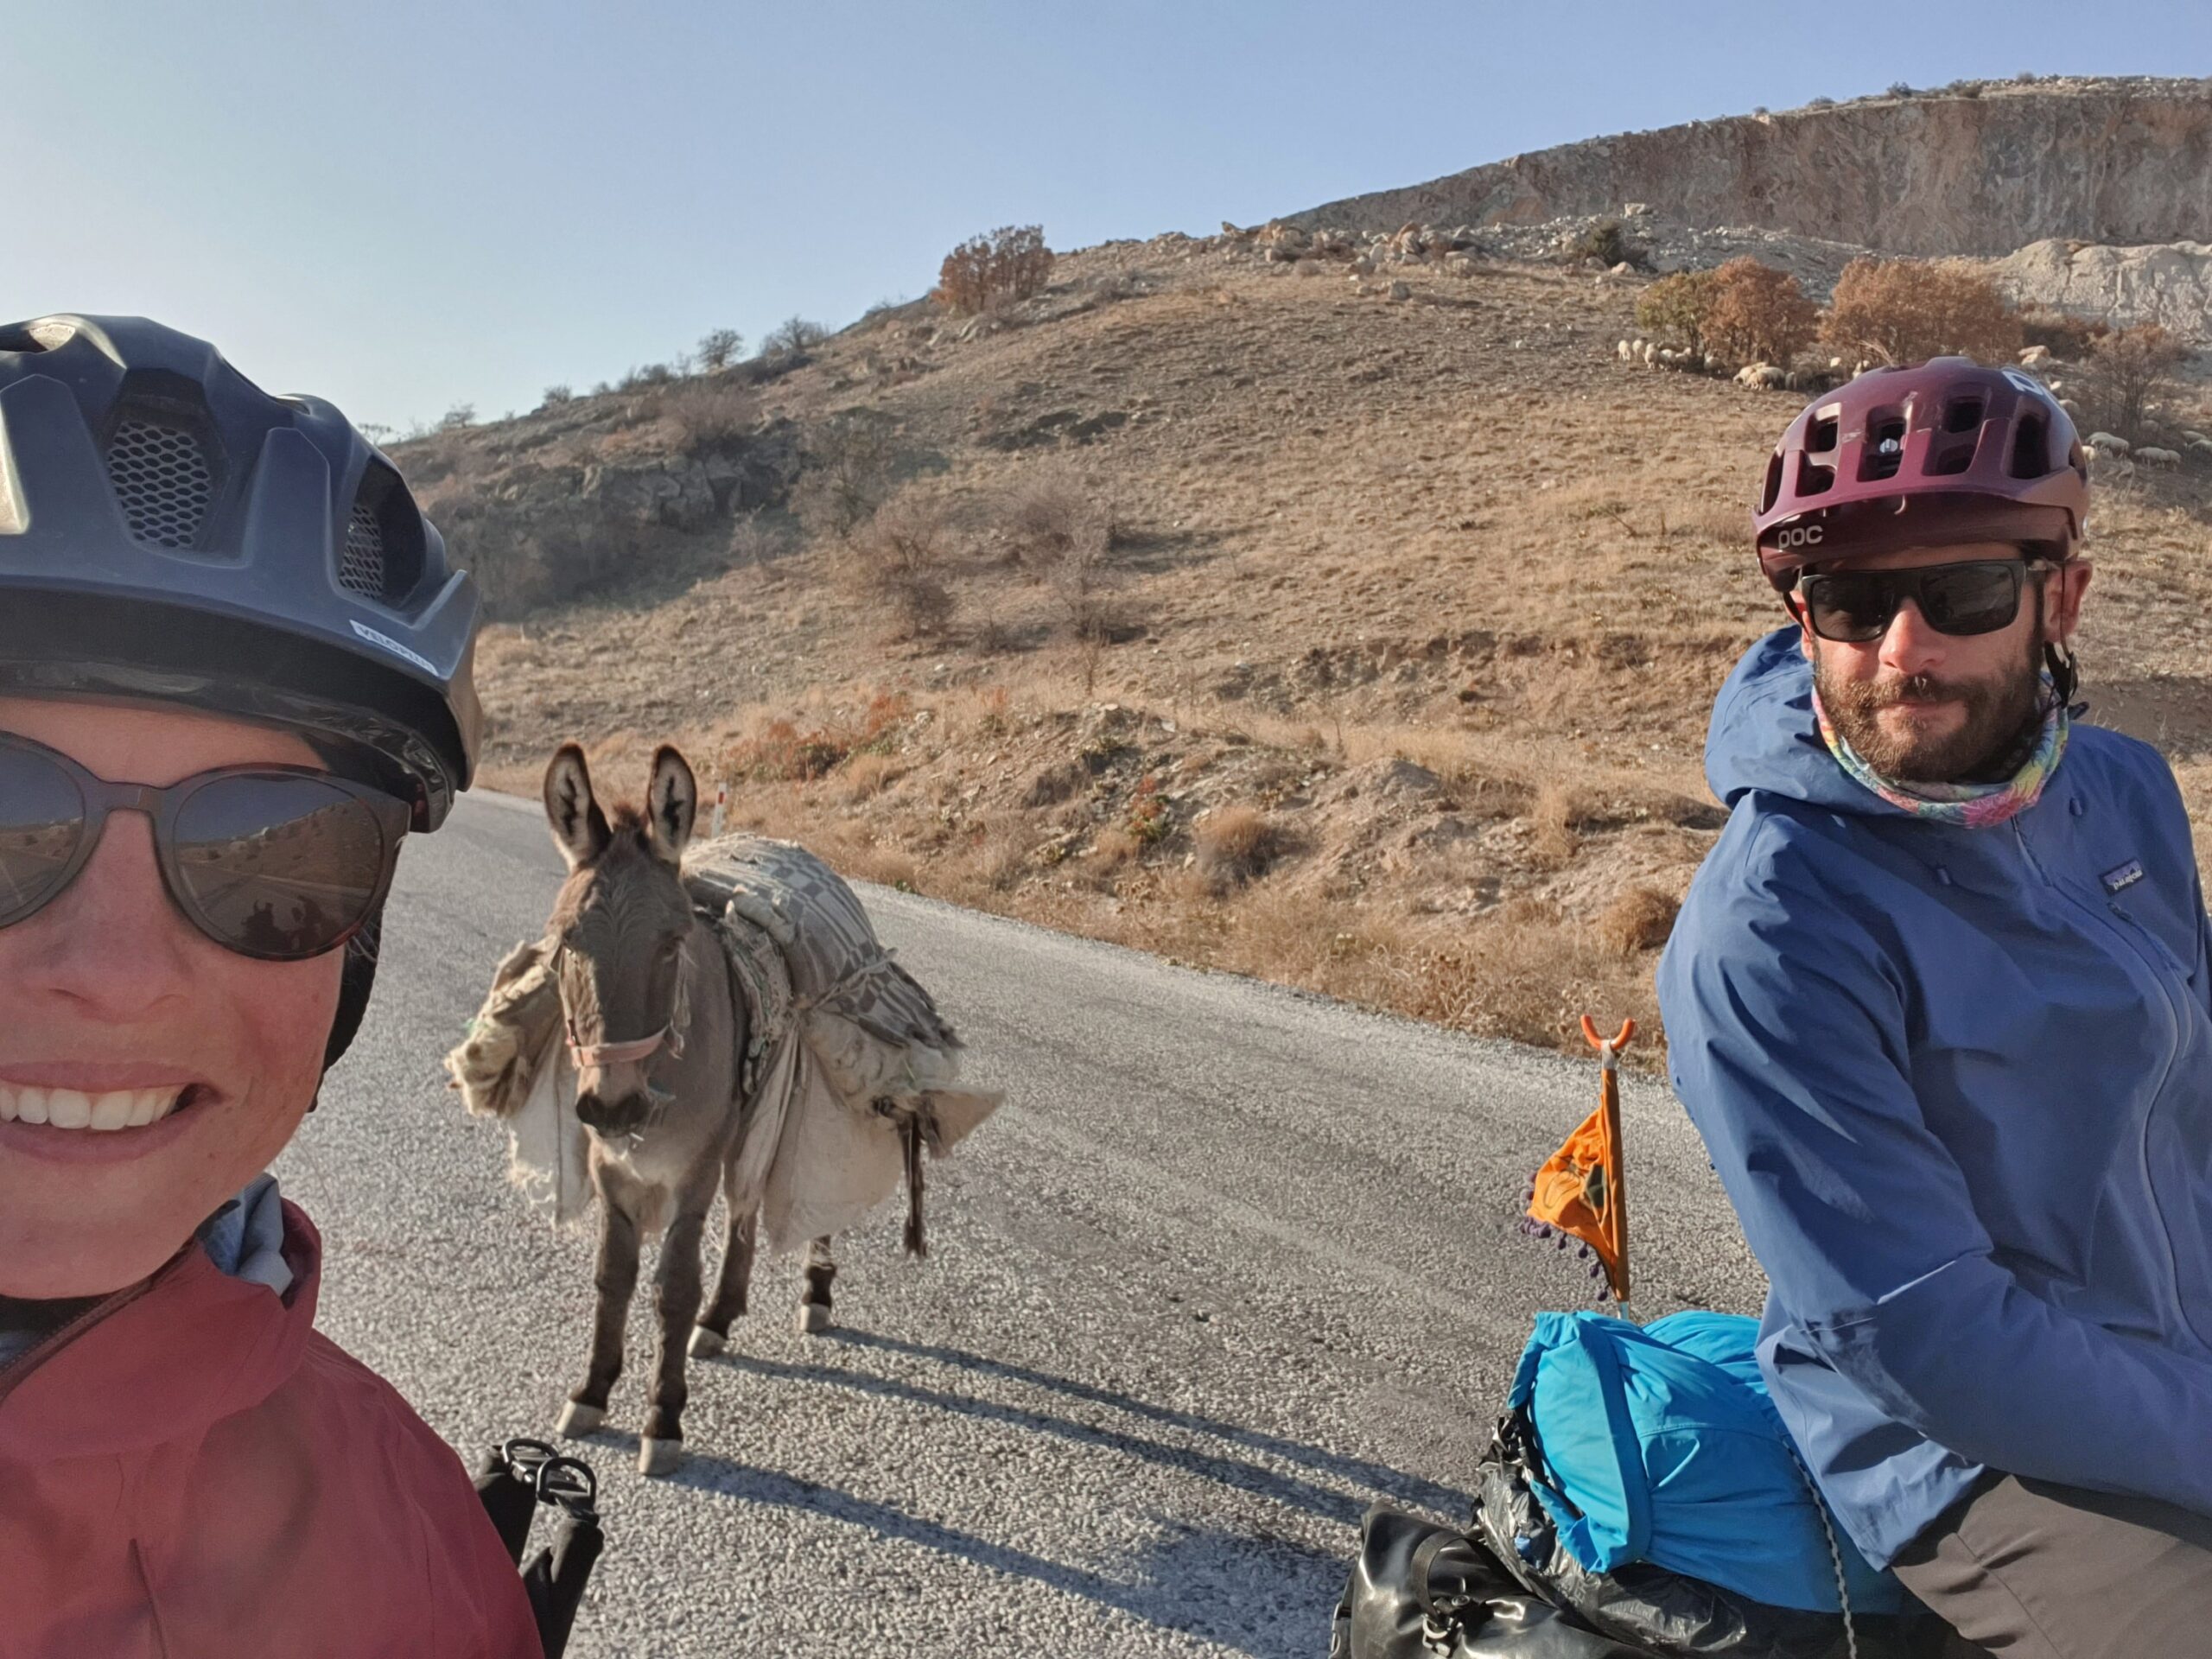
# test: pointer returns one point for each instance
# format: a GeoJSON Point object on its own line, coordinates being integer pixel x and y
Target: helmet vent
{"type": "Point", "coordinates": [2031, 449]}
{"type": "Point", "coordinates": [161, 481]}
{"type": "Point", "coordinates": [1884, 452]}
{"type": "Point", "coordinates": [1964, 415]}
{"type": "Point", "coordinates": [360, 565]}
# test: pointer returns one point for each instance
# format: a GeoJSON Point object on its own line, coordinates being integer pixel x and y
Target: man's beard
{"type": "Point", "coordinates": [2004, 713]}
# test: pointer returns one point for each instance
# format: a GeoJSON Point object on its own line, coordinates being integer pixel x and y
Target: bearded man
{"type": "Point", "coordinates": [1940, 1003]}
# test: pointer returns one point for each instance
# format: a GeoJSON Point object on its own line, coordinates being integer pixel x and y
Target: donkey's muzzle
{"type": "Point", "coordinates": [620, 1115]}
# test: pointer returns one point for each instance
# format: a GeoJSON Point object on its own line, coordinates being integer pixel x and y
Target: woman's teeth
{"type": "Point", "coordinates": [70, 1109]}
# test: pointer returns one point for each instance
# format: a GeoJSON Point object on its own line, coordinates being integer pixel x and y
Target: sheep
{"type": "Point", "coordinates": [2150, 455]}
{"type": "Point", "coordinates": [2035, 356]}
{"type": "Point", "coordinates": [1625, 352]}
{"type": "Point", "coordinates": [2107, 443]}
{"type": "Point", "coordinates": [1650, 354]}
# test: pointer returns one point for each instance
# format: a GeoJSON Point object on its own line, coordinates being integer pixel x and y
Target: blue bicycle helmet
{"type": "Point", "coordinates": [170, 532]}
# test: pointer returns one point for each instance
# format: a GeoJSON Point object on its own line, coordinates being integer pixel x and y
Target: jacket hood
{"type": "Point", "coordinates": [1764, 735]}
{"type": "Point", "coordinates": [160, 1362]}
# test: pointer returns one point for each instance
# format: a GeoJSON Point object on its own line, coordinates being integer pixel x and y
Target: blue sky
{"type": "Point", "coordinates": [405, 206]}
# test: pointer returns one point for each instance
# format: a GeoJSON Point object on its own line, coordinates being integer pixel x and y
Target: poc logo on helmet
{"type": "Point", "coordinates": [1799, 536]}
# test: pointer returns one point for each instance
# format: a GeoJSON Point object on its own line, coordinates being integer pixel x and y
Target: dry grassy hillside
{"type": "Point", "coordinates": [1393, 682]}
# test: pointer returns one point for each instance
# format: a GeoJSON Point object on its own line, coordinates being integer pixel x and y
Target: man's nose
{"type": "Point", "coordinates": [1910, 646]}
{"type": "Point", "coordinates": [112, 944]}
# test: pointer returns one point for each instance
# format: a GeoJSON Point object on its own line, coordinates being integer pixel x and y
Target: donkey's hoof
{"type": "Point", "coordinates": [706, 1344]}
{"type": "Point", "coordinates": [578, 1420]}
{"type": "Point", "coordinates": [813, 1318]}
{"type": "Point", "coordinates": [658, 1457]}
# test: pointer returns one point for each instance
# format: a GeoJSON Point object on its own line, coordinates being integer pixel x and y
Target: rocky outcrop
{"type": "Point", "coordinates": [2169, 282]}
{"type": "Point", "coordinates": [1980, 170]}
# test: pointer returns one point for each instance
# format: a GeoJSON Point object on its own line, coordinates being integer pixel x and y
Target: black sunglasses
{"type": "Point", "coordinates": [278, 863]}
{"type": "Point", "coordinates": [1974, 596]}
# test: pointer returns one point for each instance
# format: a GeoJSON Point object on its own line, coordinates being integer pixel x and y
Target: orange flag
{"type": "Point", "coordinates": [1582, 1191]}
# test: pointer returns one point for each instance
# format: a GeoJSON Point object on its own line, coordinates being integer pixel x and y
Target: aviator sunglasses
{"type": "Point", "coordinates": [1975, 596]}
{"type": "Point", "coordinates": [280, 863]}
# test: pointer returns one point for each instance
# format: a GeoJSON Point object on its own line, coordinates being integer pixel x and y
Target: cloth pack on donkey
{"type": "Point", "coordinates": [853, 1072]}
{"type": "Point", "coordinates": [1641, 1496]}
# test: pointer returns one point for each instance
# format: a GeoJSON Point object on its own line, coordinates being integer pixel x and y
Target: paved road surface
{"type": "Point", "coordinates": [1230, 1264]}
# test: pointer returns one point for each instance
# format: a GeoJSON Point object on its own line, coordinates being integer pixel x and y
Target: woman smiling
{"type": "Point", "coordinates": [234, 672]}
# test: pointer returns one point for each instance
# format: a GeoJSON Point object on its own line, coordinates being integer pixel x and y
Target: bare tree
{"type": "Point", "coordinates": [793, 335]}
{"type": "Point", "coordinates": [2130, 369]}
{"type": "Point", "coordinates": [845, 474]}
{"type": "Point", "coordinates": [719, 348]}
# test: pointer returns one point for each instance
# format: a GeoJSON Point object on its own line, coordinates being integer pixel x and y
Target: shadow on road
{"type": "Point", "coordinates": [1375, 1479]}
{"type": "Point", "coordinates": [1262, 1596]}
{"type": "Point", "coordinates": [1379, 1478]}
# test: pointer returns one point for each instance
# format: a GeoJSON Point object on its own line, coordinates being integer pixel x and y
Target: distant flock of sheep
{"type": "Point", "coordinates": [2111, 451]}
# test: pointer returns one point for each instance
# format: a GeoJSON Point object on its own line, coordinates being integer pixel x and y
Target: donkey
{"type": "Point", "coordinates": [655, 1024]}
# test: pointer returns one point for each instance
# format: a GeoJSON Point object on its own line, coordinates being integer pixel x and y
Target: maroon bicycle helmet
{"type": "Point", "coordinates": [1944, 451]}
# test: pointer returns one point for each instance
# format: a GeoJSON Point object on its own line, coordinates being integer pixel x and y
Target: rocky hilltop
{"type": "Point", "coordinates": [1978, 169]}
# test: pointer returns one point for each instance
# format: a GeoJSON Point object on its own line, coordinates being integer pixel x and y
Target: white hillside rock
{"type": "Point", "coordinates": [2167, 282]}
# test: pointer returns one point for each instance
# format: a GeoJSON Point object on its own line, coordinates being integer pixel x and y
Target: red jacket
{"type": "Point", "coordinates": [190, 1470]}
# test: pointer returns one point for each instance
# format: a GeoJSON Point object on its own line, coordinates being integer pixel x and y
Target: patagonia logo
{"type": "Point", "coordinates": [2122, 875]}
{"type": "Point", "coordinates": [393, 646]}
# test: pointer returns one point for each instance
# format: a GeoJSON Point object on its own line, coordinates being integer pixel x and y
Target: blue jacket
{"type": "Point", "coordinates": [1958, 1084]}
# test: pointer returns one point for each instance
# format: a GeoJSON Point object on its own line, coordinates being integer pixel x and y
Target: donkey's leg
{"type": "Point", "coordinates": [814, 1303]}
{"type": "Point", "coordinates": [616, 1278]}
{"type": "Point", "coordinates": [675, 1298]}
{"type": "Point", "coordinates": [711, 1334]}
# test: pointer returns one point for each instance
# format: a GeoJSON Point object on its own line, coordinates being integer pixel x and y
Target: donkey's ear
{"type": "Point", "coordinates": [579, 827]}
{"type": "Point", "coordinates": [671, 803]}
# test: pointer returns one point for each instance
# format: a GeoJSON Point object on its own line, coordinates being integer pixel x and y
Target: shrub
{"type": "Point", "coordinates": [2131, 369]}
{"type": "Point", "coordinates": [845, 474]}
{"type": "Point", "coordinates": [784, 752]}
{"type": "Point", "coordinates": [1235, 845]}
{"type": "Point", "coordinates": [1639, 919]}
{"type": "Point", "coordinates": [2060, 333]}
{"type": "Point", "coordinates": [1755, 313]}
{"type": "Point", "coordinates": [459, 416]}
{"type": "Point", "coordinates": [1606, 244]}
{"type": "Point", "coordinates": [897, 561]}
{"type": "Point", "coordinates": [1147, 821]}
{"type": "Point", "coordinates": [1820, 102]}
{"type": "Point", "coordinates": [653, 374]}
{"type": "Point", "coordinates": [792, 336]}
{"type": "Point", "coordinates": [1010, 263]}
{"type": "Point", "coordinates": [1673, 308]}
{"type": "Point", "coordinates": [555, 397]}
{"type": "Point", "coordinates": [753, 541]}
{"type": "Point", "coordinates": [709, 416]}
{"type": "Point", "coordinates": [1905, 310]}
{"type": "Point", "coordinates": [719, 348]}
{"type": "Point", "coordinates": [1051, 515]}
{"type": "Point", "coordinates": [1898, 89]}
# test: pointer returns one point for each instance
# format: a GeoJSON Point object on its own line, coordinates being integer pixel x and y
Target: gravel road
{"type": "Point", "coordinates": [1230, 1264]}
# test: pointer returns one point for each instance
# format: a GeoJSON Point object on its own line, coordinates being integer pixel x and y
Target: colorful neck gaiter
{"type": "Point", "coordinates": [1975, 805]}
